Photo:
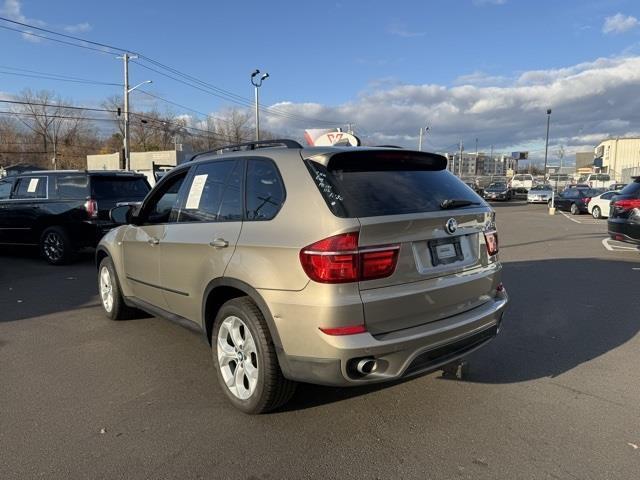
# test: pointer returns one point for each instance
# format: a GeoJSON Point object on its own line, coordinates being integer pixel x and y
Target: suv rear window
{"type": "Point", "coordinates": [632, 189]}
{"type": "Point", "coordinates": [369, 183]}
{"type": "Point", "coordinates": [131, 188]}
{"type": "Point", "coordinates": [72, 186]}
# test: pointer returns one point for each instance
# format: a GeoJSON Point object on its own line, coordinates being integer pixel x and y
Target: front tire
{"type": "Point", "coordinates": [55, 246]}
{"type": "Point", "coordinates": [245, 359]}
{"type": "Point", "coordinates": [596, 213]}
{"type": "Point", "coordinates": [110, 293]}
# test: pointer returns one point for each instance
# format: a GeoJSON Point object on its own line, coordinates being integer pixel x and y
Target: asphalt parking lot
{"type": "Point", "coordinates": [556, 395]}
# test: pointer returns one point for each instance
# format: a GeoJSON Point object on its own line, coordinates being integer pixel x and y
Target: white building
{"type": "Point", "coordinates": [620, 157]}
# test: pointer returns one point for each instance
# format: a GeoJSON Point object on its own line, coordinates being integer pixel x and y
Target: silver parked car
{"type": "Point", "coordinates": [540, 194]}
{"type": "Point", "coordinates": [335, 266]}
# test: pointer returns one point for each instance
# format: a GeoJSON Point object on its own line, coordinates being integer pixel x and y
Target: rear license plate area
{"type": "Point", "coordinates": [445, 251]}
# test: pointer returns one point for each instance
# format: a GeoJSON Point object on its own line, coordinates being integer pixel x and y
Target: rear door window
{"type": "Point", "coordinates": [31, 188]}
{"type": "Point", "coordinates": [370, 183]}
{"type": "Point", "coordinates": [71, 186]}
{"type": "Point", "coordinates": [119, 187]}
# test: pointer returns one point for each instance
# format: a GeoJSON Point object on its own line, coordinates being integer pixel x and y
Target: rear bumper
{"type": "Point", "coordinates": [89, 232]}
{"type": "Point", "coordinates": [402, 353]}
{"type": "Point", "coordinates": [624, 231]}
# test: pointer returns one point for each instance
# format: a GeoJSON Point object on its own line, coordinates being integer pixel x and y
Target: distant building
{"type": "Point", "coordinates": [481, 165]}
{"type": "Point", "coordinates": [152, 164]}
{"type": "Point", "coordinates": [618, 156]}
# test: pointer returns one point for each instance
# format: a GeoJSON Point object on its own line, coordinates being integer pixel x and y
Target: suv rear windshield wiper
{"type": "Point", "coordinates": [456, 203]}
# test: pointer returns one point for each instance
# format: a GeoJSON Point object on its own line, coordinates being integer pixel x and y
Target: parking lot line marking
{"type": "Point", "coordinates": [572, 219]}
{"type": "Point", "coordinates": [616, 248]}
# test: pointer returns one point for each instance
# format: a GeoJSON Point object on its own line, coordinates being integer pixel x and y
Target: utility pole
{"type": "Point", "coordinates": [495, 164]}
{"type": "Point", "coordinates": [546, 145]}
{"type": "Point", "coordinates": [460, 159]}
{"type": "Point", "coordinates": [125, 58]}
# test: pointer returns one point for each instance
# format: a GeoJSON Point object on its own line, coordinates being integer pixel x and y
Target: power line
{"type": "Point", "coordinates": [24, 32]}
{"type": "Point", "coordinates": [211, 89]}
{"type": "Point", "coordinates": [86, 82]}
{"type": "Point", "coordinates": [181, 106]}
{"type": "Point", "coordinates": [103, 45]}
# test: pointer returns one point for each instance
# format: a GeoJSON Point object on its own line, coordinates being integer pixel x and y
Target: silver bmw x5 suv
{"type": "Point", "coordinates": [334, 266]}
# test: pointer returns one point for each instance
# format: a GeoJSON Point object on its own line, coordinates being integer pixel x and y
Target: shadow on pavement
{"type": "Point", "coordinates": [30, 287]}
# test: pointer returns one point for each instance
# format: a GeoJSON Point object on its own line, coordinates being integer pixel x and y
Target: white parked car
{"type": "Point", "coordinates": [597, 180]}
{"type": "Point", "coordinates": [598, 207]}
{"type": "Point", "coordinates": [521, 183]}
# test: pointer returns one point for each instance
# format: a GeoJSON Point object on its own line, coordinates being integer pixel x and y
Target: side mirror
{"type": "Point", "coordinates": [123, 214]}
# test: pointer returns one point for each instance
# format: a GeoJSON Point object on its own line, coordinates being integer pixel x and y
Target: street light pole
{"type": "Point", "coordinates": [425, 130]}
{"type": "Point", "coordinates": [257, 84]}
{"type": "Point", "coordinates": [546, 145]}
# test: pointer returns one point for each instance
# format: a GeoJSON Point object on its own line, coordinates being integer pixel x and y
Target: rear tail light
{"type": "Point", "coordinates": [91, 206]}
{"type": "Point", "coordinates": [491, 240]}
{"type": "Point", "coordinates": [628, 204]}
{"type": "Point", "coordinates": [587, 200]}
{"type": "Point", "coordinates": [338, 259]}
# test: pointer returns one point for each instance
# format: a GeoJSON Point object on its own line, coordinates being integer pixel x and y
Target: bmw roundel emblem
{"type": "Point", "coordinates": [451, 226]}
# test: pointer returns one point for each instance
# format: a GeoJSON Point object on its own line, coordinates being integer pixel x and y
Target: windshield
{"type": "Point", "coordinates": [497, 186]}
{"type": "Point", "coordinates": [541, 187]}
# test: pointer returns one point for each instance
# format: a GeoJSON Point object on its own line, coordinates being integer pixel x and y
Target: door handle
{"type": "Point", "coordinates": [219, 243]}
{"type": "Point", "coordinates": [153, 241]}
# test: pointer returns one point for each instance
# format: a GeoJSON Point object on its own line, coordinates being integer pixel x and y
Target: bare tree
{"type": "Point", "coordinates": [50, 119]}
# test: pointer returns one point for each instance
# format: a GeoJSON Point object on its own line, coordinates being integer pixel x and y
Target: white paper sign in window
{"type": "Point", "coordinates": [195, 192]}
{"type": "Point", "coordinates": [33, 185]}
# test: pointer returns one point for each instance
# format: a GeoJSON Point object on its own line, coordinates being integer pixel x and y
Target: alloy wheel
{"type": "Point", "coordinates": [106, 289]}
{"type": "Point", "coordinates": [53, 246]}
{"type": "Point", "coordinates": [237, 357]}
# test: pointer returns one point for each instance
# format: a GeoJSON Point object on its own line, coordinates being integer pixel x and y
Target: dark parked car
{"type": "Point", "coordinates": [498, 191]}
{"type": "Point", "coordinates": [575, 200]}
{"type": "Point", "coordinates": [64, 210]}
{"type": "Point", "coordinates": [624, 214]}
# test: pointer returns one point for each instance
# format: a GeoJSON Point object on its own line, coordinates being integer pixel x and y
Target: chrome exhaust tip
{"type": "Point", "coordinates": [366, 366]}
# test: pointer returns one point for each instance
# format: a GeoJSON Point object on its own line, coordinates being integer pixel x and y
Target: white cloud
{"type": "Point", "coordinates": [78, 28]}
{"type": "Point", "coordinates": [401, 30]}
{"type": "Point", "coordinates": [619, 23]}
{"type": "Point", "coordinates": [589, 100]}
{"type": "Point", "coordinates": [12, 9]}
{"type": "Point", "coordinates": [479, 78]}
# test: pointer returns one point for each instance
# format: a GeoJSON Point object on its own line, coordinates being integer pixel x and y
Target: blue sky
{"type": "Point", "coordinates": [329, 54]}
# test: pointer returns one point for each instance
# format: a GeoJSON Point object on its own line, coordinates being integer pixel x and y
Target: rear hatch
{"type": "Point", "coordinates": [626, 205]}
{"type": "Point", "coordinates": [400, 199]}
{"type": "Point", "coordinates": [111, 190]}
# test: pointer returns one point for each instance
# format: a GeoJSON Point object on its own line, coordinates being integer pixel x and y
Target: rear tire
{"type": "Point", "coordinates": [596, 213]}
{"type": "Point", "coordinates": [245, 359]}
{"type": "Point", "coordinates": [55, 246]}
{"type": "Point", "coordinates": [110, 293]}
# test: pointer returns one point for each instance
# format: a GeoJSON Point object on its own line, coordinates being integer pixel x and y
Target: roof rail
{"type": "Point", "coordinates": [282, 142]}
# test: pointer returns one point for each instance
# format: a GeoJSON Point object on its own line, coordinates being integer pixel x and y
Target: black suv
{"type": "Point", "coordinates": [624, 214]}
{"type": "Point", "coordinates": [575, 200]}
{"type": "Point", "coordinates": [64, 210]}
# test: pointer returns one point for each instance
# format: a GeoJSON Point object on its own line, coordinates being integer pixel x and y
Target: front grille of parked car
{"type": "Point", "coordinates": [440, 355]}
